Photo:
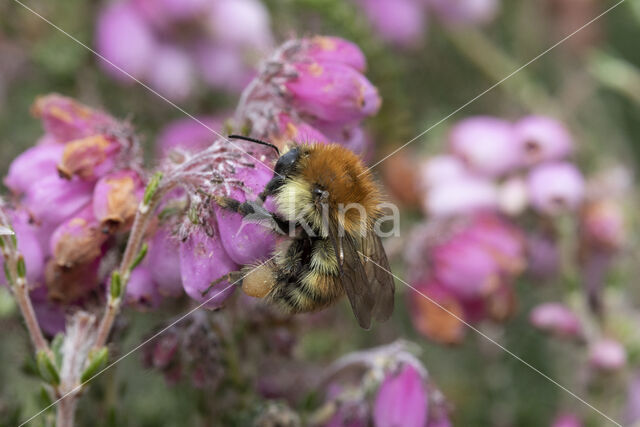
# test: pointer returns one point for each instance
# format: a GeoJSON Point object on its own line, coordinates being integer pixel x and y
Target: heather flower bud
{"type": "Point", "coordinates": [142, 291]}
{"type": "Point", "coordinates": [245, 242]}
{"type": "Point", "coordinates": [78, 240]}
{"type": "Point", "coordinates": [296, 131]}
{"type": "Point", "coordinates": [89, 158]}
{"type": "Point", "coordinates": [434, 309]}
{"type": "Point", "coordinates": [543, 139]}
{"type": "Point", "coordinates": [486, 144]}
{"type": "Point", "coordinates": [163, 262]}
{"type": "Point", "coordinates": [116, 198]}
{"type": "Point", "coordinates": [54, 199]}
{"type": "Point", "coordinates": [31, 166]}
{"type": "Point", "coordinates": [555, 187]}
{"type": "Point", "coordinates": [203, 261]}
{"type": "Point", "coordinates": [67, 119]}
{"type": "Point", "coordinates": [333, 92]}
{"type": "Point", "coordinates": [336, 49]}
{"type": "Point", "coordinates": [607, 355]}
{"type": "Point", "coordinates": [557, 319]}
{"type": "Point", "coordinates": [401, 399]}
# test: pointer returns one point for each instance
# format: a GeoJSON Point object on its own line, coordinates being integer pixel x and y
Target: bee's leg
{"type": "Point", "coordinates": [234, 278]}
{"type": "Point", "coordinates": [257, 212]}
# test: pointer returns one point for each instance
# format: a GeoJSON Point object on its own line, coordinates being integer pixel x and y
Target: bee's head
{"type": "Point", "coordinates": [286, 164]}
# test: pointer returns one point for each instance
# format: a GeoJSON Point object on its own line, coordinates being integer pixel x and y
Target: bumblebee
{"type": "Point", "coordinates": [326, 204]}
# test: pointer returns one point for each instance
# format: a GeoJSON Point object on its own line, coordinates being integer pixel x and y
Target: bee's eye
{"type": "Point", "coordinates": [320, 193]}
{"type": "Point", "coordinates": [286, 162]}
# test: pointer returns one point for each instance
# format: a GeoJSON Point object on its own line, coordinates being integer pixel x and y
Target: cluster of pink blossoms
{"type": "Point", "coordinates": [404, 22]}
{"type": "Point", "coordinates": [308, 89]}
{"type": "Point", "coordinates": [73, 196]}
{"type": "Point", "coordinates": [496, 173]}
{"type": "Point", "coordinates": [168, 43]}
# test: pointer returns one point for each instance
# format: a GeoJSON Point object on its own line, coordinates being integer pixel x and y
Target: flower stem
{"type": "Point", "coordinates": [66, 410]}
{"type": "Point", "coordinates": [138, 230]}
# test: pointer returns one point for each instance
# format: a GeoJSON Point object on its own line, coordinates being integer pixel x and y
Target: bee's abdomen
{"type": "Point", "coordinates": [315, 287]}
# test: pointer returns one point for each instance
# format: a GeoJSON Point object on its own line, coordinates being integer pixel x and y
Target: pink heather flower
{"type": "Point", "coordinates": [466, 268]}
{"type": "Point", "coordinates": [32, 165]}
{"type": "Point", "coordinates": [475, 260]}
{"type": "Point", "coordinates": [402, 22]}
{"type": "Point", "coordinates": [254, 31]}
{"type": "Point", "coordinates": [221, 66]}
{"type": "Point", "coordinates": [555, 318]}
{"type": "Point", "coordinates": [245, 242]}
{"type": "Point", "coordinates": [437, 321]}
{"type": "Point", "coordinates": [142, 291]}
{"type": "Point", "coordinates": [352, 137]}
{"type": "Point", "coordinates": [125, 40]}
{"type": "Point", "coordinates": [441, 170]}
{"type": "Point", "coordinates": [465, 12]}
{"type": "Point", "coordinates": [607, 355]}
{"type": "Point", "coordinates": [55, 199]}
{"type": "Point", "coordinates": [300, 132]}
{"type": "Point", "coordinates": [401, 400]}
{"type": "Point", "coordinates": [555, 187]}
{"type": "Point", "coordinates": [543, 139]}
{"type": "Point", "coordinates": [203, 260]}
{"type": "Point", "coordinates": [89, 158]}
{"type": "Point", "coordinates": [603, 224]}
{"type": "Point", "coordinates": [503, 240]}
{"type": "Point", "coordinates": [333, 92]}
{"type": "Point", "coordinates": [567, 420]}
{"type": "Point", "coordinates": [115, 199]}
{"type": "Point", "coordinates": [66, 119]}
{"type": "Point", "coordinates": [163, 262]}
{"type": "Point", "coordinates": [336, 49]}
{"type": "Point", "coordinates": [187, 135]}
{"type": "Point", "coordinates": [29, 246]}
{"type": "Point", "coordinates": [78, 240]}
{"type": "Point", "coordinates": [461, 196]}
{"type": "Point", "coordinates": [172, 73]}
{"type": "Point", "coordinates": [168, 43]}
{"type": "Point", "coordinates": [486, 144]}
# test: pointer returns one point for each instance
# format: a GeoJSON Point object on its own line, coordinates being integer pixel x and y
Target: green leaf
{"type": "Point", "coordinates": [152, 187]}
{"type": "Point", "coordinates": [46, 368]}
{"type": "Point", "coordinates": [97, 360]}
{"type": "Point", "coordinates": [116, 284]}
{"type": "Point", "coordinates": [56, 347]}
{"type": "Point", "coordinates": [140, 257]}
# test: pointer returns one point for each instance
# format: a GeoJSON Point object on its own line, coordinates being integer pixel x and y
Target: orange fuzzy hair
{"type": "Point", "coordinates": [340, 172]}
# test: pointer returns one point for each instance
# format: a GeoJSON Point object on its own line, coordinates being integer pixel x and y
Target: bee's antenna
{"type": "Point", "coordinates": [257, 141]}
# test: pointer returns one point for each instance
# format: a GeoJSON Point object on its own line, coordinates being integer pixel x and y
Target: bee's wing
{"type": "Point", "coordinates": [368, 286]}
{"type": "Point", "coordinates": [353, 277]}
{"type": "Point", "coordinates": [377, 269]}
